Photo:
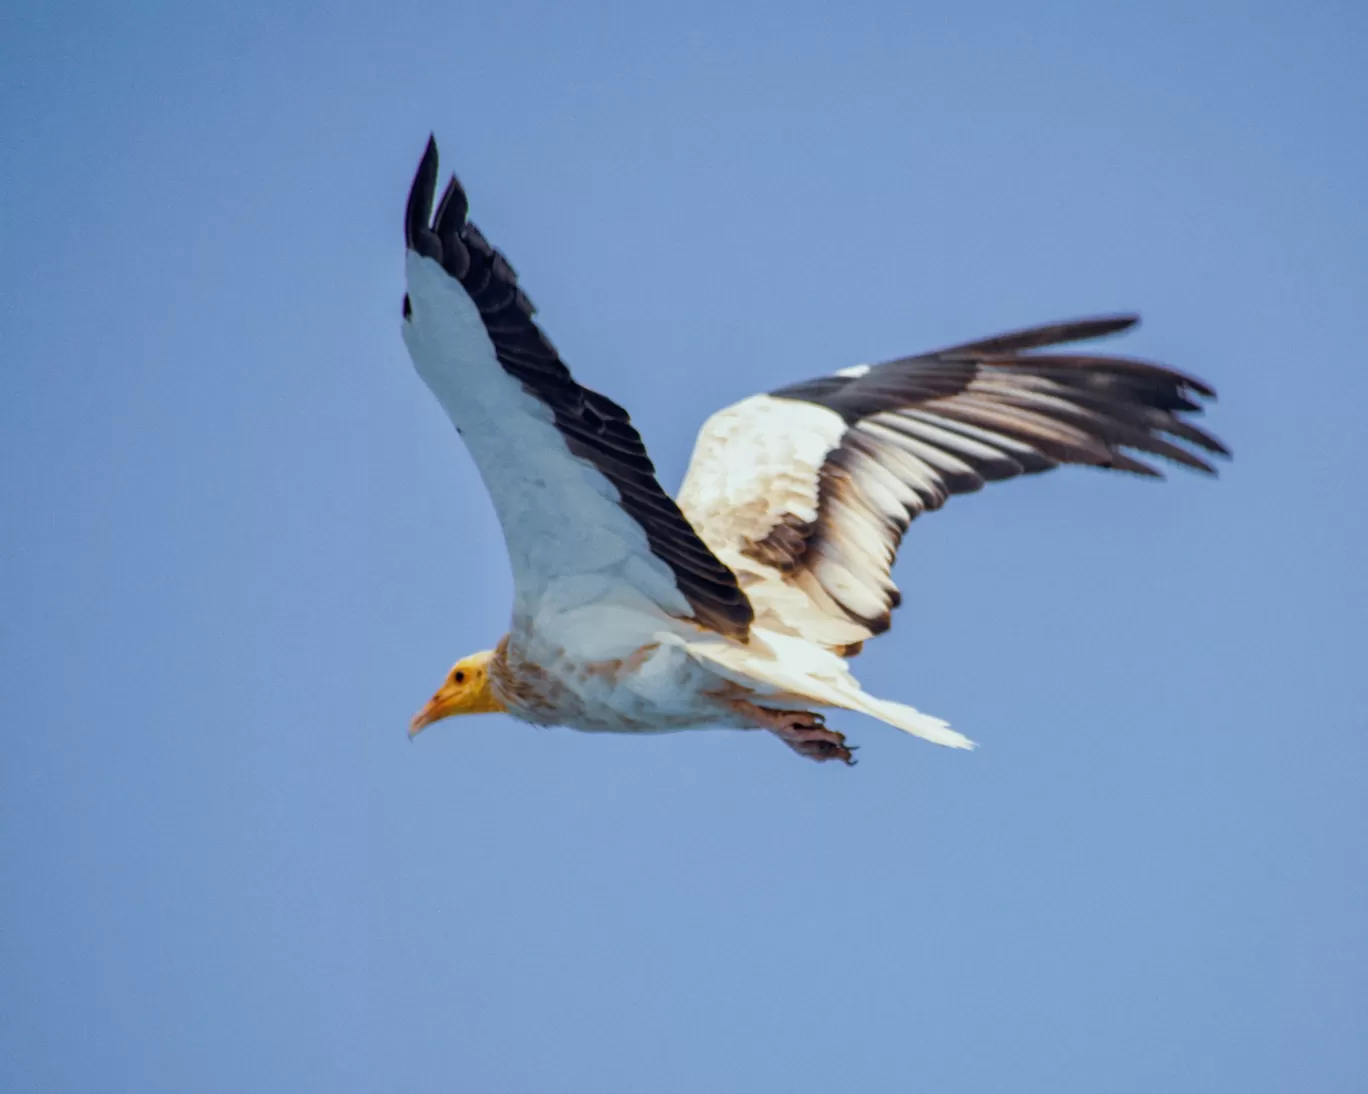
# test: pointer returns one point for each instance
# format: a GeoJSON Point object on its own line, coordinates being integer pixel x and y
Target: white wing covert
{"type": "Point", "coordinates": [805, 493]}
{"type": "Point", "coordinates": [584, 519]}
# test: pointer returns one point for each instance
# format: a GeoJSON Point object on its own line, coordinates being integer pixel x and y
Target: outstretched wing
{"type": "Point", "coordinates": [585, 522]}
{"type": "Point", "coordinates": [806, 492]}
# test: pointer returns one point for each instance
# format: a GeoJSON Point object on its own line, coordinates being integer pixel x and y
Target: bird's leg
{"type": "Point", "coordinates": [802, 730]}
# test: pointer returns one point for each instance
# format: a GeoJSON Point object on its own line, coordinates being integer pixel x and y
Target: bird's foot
{"type": "Point", "coordinates": [805, 732]}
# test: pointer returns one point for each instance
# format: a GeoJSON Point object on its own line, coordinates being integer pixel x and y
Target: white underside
{"type": "Point", "coordinates": [685, 680]}
{"type": "Point", "coordinates": [588, 590]}
{"type": "Point", "coordinates": [584, 576]}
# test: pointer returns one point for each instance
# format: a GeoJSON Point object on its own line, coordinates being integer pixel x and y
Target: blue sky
{"type": "Point", "coordinates": [242, 544]}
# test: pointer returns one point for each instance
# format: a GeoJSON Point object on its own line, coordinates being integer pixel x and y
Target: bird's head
{"type": "Point", "coordinates": [465, 690]}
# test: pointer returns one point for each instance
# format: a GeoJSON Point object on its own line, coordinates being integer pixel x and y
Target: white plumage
{"type": "Point", "coordinates": [739, 606]}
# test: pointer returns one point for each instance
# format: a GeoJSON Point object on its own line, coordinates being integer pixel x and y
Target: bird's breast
{"type": "Point", "coordinates": [655, 688]}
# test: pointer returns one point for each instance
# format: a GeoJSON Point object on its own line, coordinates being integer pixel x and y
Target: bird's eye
{"type": "Point", "coordinates": [459, 677]}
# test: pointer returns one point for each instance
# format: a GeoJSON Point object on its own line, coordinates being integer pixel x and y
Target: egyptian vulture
{"type": "Point", "coordinates": [739, 603]}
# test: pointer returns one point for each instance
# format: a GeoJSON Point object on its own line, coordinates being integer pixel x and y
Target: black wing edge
{"type": "Point", "coordinates": [594, 427]}
{"type": "Point", "coordinates": [1127, 403]}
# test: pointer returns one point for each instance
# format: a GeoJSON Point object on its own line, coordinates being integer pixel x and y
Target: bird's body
{"type": "Point", "coordinates": [739, 606]}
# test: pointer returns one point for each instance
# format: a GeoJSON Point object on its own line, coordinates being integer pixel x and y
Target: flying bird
{"type": "Point", "coordinates": [740, 603]}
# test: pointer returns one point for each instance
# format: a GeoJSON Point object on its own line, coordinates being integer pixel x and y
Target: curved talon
{"type": "Point", "coordinates": [804, 731]}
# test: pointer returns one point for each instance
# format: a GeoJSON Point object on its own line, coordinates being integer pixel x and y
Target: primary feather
{"type": "Point", "coordinates": [739, 605]}
{"type": "Point", "coordinates": [807, 491]}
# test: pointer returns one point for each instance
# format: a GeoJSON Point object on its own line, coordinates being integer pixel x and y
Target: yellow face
{"type": "Point", "coordinates": [466, 690]}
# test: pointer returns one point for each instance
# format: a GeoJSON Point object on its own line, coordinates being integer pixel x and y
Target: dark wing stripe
{"type": "Point", "coordinates": [1016, 451]}
{"type": "Point", "coordinates": [595, 428]}
{"type": "Point", "coordinates": [1101, 432]}
{"type": "Point", "coordinates": [990, 463]}
{"type": "Point", "coordinates": [1051, 334]}
{"type": "Point", "coordinates": [920, 429]}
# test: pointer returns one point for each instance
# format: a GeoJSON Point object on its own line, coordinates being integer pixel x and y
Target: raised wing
{"type": "Point", "coordinates": [806, 492]}
{"type": "Point", "coordinates": [584, 519]}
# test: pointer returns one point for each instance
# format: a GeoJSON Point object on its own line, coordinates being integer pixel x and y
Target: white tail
{"type": "Point", "coordinates": [821, 677]}
{"type": "Point", "coordinates": [909, 720]}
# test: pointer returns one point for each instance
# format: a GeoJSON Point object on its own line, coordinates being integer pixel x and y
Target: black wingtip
{"type": "Point", "coordinates": [418, 236]}
{"type": "Point", "coordinates": [1050, 334]}
{"type": "Point", "coordinates": [1113, 324]}
{"type": "Point", "coordinates": [452, 209]}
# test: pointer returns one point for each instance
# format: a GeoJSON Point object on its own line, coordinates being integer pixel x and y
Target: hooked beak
{"type": "Point", "coordinates": [442, 705]}
{"type": "Point", "coordinates": [471, 697]}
